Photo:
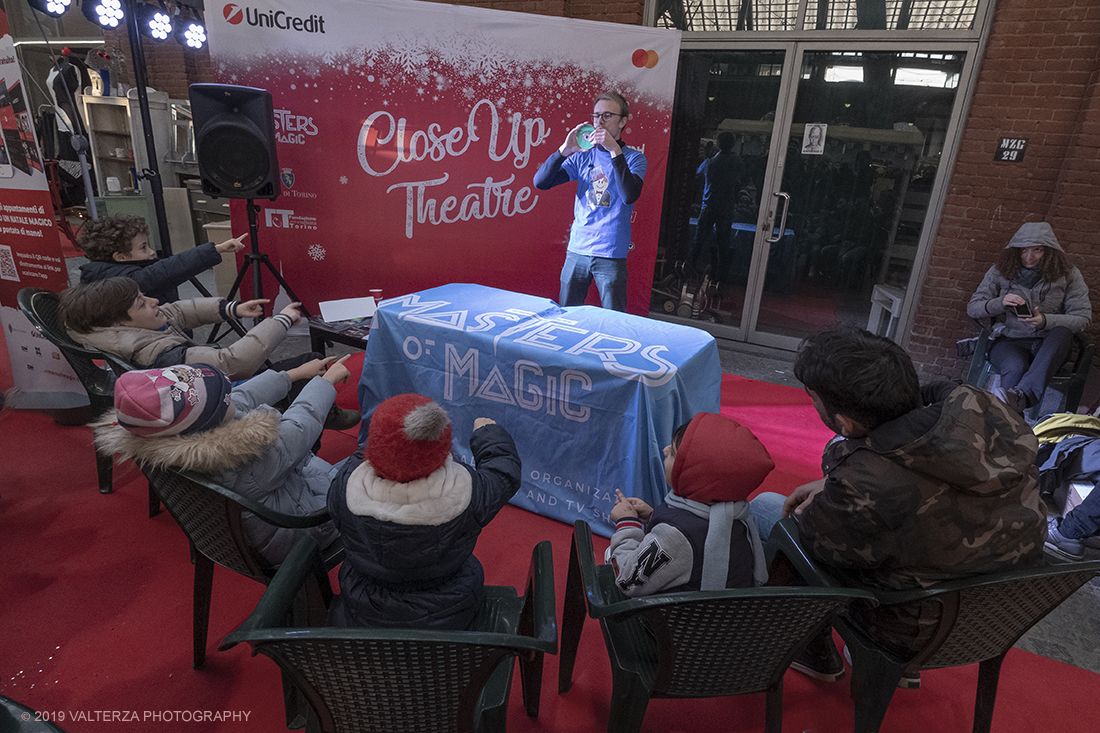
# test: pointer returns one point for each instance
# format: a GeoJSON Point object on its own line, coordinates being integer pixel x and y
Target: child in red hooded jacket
{"type": "Point", "coordinates": [703, 537]}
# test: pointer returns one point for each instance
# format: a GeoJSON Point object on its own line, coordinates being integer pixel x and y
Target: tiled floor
{"type": "Point", "coordinates": [1069, 634]}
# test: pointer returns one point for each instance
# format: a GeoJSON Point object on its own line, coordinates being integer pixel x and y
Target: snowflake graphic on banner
{"type": "Point", "coordinates": [316, 252]}
{"type": "Point", "coordinates": [459, 69]}
{"type": "Point", "coordinates": [408, 52]}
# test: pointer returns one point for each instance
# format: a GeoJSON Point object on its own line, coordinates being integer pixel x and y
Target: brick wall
{"type": "Point", "coordinates": [538, 7]}
{"type": "Point", "coordinates": [626, 11]}
{"type": "Point", "coordinates": [168, 65]}
{"type": "Point", "coordinates": [1040, 80]}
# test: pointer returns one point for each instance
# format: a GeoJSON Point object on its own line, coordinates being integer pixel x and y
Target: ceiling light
{"type": "Point", "coordinates": [190, 31]}
{"type": "Point", "coordinates": [155, 22]}
{"type": "Point", "coordinates": [104, 13]}
{"type": "Point", "coordinates": [53, 8]}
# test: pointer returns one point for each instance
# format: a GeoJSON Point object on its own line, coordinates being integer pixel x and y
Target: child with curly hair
{"type": "Point", "coordinates": [118, 246]}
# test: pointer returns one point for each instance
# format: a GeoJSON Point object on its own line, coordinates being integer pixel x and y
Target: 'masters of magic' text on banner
{"type": "Point", "coordinates": [591, 396]}
{"type": "Point", "coordinates": [409, 134]}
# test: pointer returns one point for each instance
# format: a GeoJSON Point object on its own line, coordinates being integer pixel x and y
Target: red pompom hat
{"type": "Point", "coordinates": [409, 438]}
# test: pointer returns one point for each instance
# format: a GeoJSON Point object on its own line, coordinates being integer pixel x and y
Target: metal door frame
{"type": "Point", "coordinates": [794, 45]}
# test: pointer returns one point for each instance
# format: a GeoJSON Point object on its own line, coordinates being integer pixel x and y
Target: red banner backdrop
{"type": "Point", "coordinates": [30, 250]}
{"type": "Point", "coordinates": [409, 134]}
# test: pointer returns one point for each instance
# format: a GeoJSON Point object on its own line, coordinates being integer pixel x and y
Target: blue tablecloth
{"type": "Point", "coordinates": [591, 396]}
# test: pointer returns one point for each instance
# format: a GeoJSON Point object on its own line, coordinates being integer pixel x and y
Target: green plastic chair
{"type": "Point", "coordinates": [15, 717]}
{"type": "Point", "coordinates": [40, 307]}
{"type": "Point", "coordinates": [386, 680]}
{"type": "Point", "coordinates": [210, 517]}
{"type": "Point", "coordinates": [982, 618]}
{"type": "Point", "coordinates": [1063, 393]}
{"type": "Point", "coordinates": [689, 645]}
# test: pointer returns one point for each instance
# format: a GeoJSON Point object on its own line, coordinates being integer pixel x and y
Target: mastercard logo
{"type": "Point", "coordinates": [644, 59]}
{"type": "Point", "coordinates": [233, 14]}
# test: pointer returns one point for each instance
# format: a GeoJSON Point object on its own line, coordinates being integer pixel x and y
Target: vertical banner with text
{"type": "Point", "coordinates": [30, 248]}
{"type": "Point", "coordinates": [409, 134]}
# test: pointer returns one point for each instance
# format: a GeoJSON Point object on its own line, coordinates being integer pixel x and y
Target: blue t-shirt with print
{"type": "Point", "coordinates": [601, 219]}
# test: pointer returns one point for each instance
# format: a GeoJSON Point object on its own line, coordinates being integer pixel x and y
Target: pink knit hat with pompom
{"type": "Point", "coordinates": [177, 400]}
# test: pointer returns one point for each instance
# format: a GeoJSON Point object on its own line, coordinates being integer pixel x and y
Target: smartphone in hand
{"type": "Point", "coordinates": [1022, 311]}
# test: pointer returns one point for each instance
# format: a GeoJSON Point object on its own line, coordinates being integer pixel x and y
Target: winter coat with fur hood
{"type": "Point", "coordinates": [409, 547]}
{"type": "Point", "coordinates": [148, 349]}
{"type": "Point", "coordinates": [261, 454]}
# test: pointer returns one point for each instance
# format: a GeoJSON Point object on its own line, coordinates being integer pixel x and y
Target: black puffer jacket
{"type": "Point", "coordinates": [157, 278]}
{"type": "Point", "coordinates": [409, 561]}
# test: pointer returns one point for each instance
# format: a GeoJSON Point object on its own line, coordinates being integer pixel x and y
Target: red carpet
{"type": "Point", "coordinates": [96, 601]}
{"type": "Point", "coordinates": [811, 308]}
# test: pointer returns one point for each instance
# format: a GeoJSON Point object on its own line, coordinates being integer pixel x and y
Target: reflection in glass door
{"type": "Point", "coordinates": [864, 148]}
{"type": "Point", "coordinates": [721, 137]}
{"type": "Point", "coordinates": [834, 237]}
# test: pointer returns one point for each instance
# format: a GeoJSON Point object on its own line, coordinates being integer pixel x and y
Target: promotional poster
{"type": "Point", "coordinates": [409, 134]}
{"type": "Point", "coordinates": [30, 250]}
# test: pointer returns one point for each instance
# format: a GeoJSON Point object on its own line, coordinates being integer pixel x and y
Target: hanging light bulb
{"type": "Point", "coordinates": [104, 13]}
{"type": "Point", "coordinates": [52, 8]}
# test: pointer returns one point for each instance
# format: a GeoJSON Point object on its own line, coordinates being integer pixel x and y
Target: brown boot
{"type": "Point", "coordinates": [339, 419]}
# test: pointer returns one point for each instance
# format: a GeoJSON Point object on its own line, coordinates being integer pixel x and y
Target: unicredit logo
{"type": "Point", "coordinates": [234, 14]}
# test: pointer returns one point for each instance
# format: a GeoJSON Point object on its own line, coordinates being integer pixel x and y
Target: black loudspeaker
{"type": "Point", "coordinates": [235, 141]}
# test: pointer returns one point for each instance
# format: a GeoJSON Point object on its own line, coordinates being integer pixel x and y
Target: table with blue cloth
{"type": "Point", "coordinates": [591, 396]}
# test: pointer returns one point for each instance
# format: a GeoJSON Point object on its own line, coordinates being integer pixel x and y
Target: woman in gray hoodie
{"type": "Point", "coordinates": [1037, 300]}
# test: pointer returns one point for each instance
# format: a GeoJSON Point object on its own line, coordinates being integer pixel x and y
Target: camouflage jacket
{"type": "Point", "coordinates": [946, 491]}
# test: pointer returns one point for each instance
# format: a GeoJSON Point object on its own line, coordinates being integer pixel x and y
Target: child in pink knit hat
{"type": "Point", "coordinates": [189, 417]}
{"type": "Point", "coordinates": [703, 537]}
{"type": "Point", "coordinates": [410, 516]}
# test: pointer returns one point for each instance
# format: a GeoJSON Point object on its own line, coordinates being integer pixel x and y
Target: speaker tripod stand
{"type": "Point", "coordinates": [253, 258]}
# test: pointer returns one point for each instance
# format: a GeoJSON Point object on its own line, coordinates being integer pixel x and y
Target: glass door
{"type": "Point", "coordinates": [862, 153]}
{"type": "Point", "coordinates": [719, 171]}
{"type": "Point", "coordinates": [771, 243]}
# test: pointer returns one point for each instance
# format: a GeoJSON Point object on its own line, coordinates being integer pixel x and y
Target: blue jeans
{"type": "Point", "coordinates": [1028, 364]}
{"type": "Point", "coordinates": [766, 509]}
{"type": "Point", "coordinates": [1083, 521]}
{"type": "Point", "coordinates": [580, 270]}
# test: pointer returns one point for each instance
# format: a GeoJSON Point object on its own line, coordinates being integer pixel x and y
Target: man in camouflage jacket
{"type": "Point", "coordinates": [920, 486]}
{"type": "Point", "coordinates": [948, 490]}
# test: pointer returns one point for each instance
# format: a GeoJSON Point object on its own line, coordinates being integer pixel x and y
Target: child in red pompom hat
{"type": "Point", "coordinates": [703, 537]}
{"type": "Point", "coordinates": [410, 516]}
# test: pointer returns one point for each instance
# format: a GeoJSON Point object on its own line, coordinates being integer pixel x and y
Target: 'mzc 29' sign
{"type": "Point", "coordinates": [1011, 149]}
